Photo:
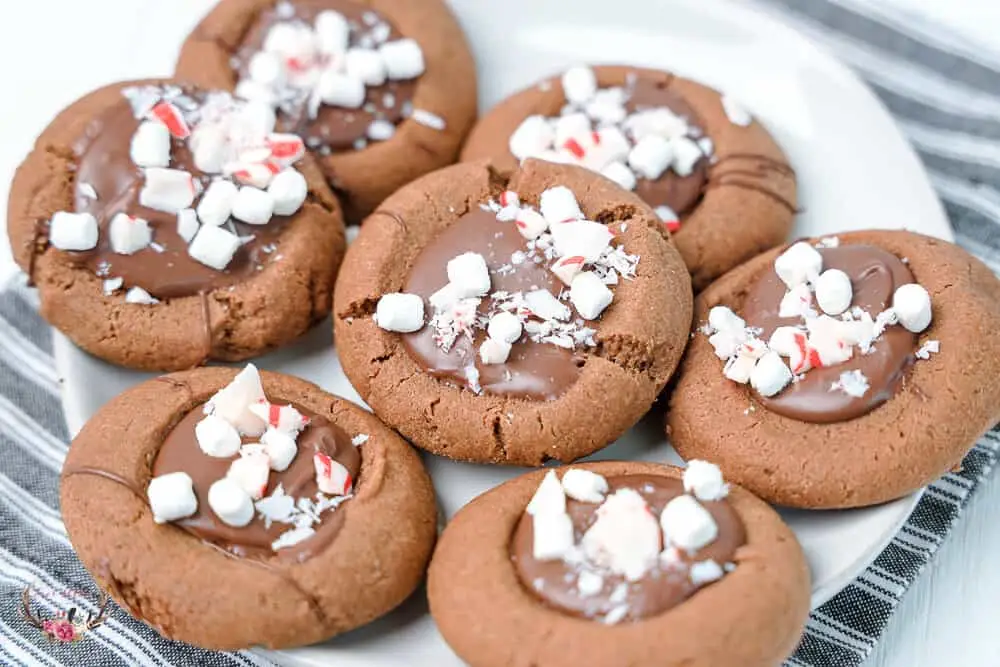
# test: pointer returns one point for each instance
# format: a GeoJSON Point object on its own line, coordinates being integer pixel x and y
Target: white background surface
{"type": "Point", "coordinates": [947, 618]}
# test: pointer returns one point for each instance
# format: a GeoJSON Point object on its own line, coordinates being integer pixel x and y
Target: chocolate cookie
{"type": "Point", "coordinates": [223, 543]}
{"type": "Point", "coordinates": [871, 361]}
{"type": "Point", "coordinates": [485, 329]}
{"type": "Point", "coordinates": [382, 91]}
{"type": "Point", "coordinates": [619, 563]}
{"type": "Point", "coordinates": [714, 175]}
{"type": "Point", "coordinates": [165, 226]}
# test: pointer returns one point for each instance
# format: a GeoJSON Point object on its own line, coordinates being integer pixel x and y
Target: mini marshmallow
{"type": "Point", "coordinates": [704, 480]}
{"type": "Point", "coordinates": [250, 122]}
{"type": "Point", "coordinates": [267, 69]}
{"type": "Point", "coordinates": [505, 327]}
{"type": "Point", "coordinates": [912, 305]}
{"type": "Point", "coordinates": [331, 476]}
{"type": "Point", "coordinates": [255, 91]}
{"type": "Point", "coordinates": [579, 84]}
{"type": "Point", "coordinates": [568, 267]}
{"type": "Point", "coordinates": [214, 247]}
{"type": "Point", "coordinates": [531, 137]}
{"type": "Point", "coordinates": [584, 485]}
{"type": "Point", "coordinates": [129, 235]}
{"type": "Point", "coordinates": [607, 107]}
{"type": "Point", "coordinates": [366, 65]}
{"type": "Point", "coordinates": [167, 190]}
{"type": "Point", "coordinates": [171, 497]}
{"type": "Point", "coordinates": [217, 437]}
{"type": "Point", "coordinates": [800, 263]}
{"type": "Point", "coordinates": [403, 313]}
{"type": "Point", "coordinates": [735, 112]}
{"type": "Point", "coordinates": [589, 583]}
{"type": "Point", "coordinates": [288, 190]}
{"type": "Point", "coordinates": [827, 343]}
{"type": "Point", "coordinates": [216, 204]}
{"type": "Point", "coordinates": [280, 448]}
{"type": "Point", "coordinates": [620, 174]}
{"type": "Point", "coordinates": [493, 351]}
{"type": "Point", "coordinates": [834, 292]}
{"type": "Point", "coordinates": [253, 206]}
{"type": "Point", "coordinates": [613, 145]}
{"type": "Point", "coordinates": [705, 572]}
{"type": "Point", "coordinates": [544, 305]}
{"type": "Point", "coordinates": [140, 297]}
{"type": "Point", "coordinates": [797, 302]}
{"type": "Point", "coordinates": [444, 298]}
{"type": "Point", "coordinates": [530, 223]}
{"type": "Point", "coordinates": [549, 498]}
{"type": "Point", "coordinates": [187, 224]}
{"type": "Point", "coordinates": [659, 122]}
{"type": "Point", "coordinates": [570, 126]}
{"type": "Point", "coordinates": [332, 32]}
{"type": "Point", "coordinates": [685, 154]}
{"type": "Point", "coordinates": [233, 402]}
{"type": "Point", "coordinates": [380, 130]}
{"type": "Point", "coordinates": [721, 318]}
{"type": "Point", "coordinates": [209, 148]}
{"type": "Point", "coordinates": [469, 275]}
{"type": "Point", "coordinates": [589, 295]}
{"type": "Point", "coordinates": [403, 59]}
{"type": "Point", "coordinates": [552, 535]}
{"type": "Point", "coordinates": [150, 145]}
{"type": "Point", "coordinates": [282, 417]}
{"type": "Point", "coordinates": [581, 237]}
{"type": "Point", "coordinates": [558, 204]}
{"type": "Point", "coordinates": [625, 538]}
{"type": "Point", "coordinates": [251, 473]}
{"type": "Point", "coordinates": [687, 524]}
{"type": "Point", "coordinates": [341, 90]}
{"type": "Point", "coordinates": [651, 156]}
{"type": "Point", "coordinates": [230, 502]}
{"type": "Point", "coordinates": [770, 375]}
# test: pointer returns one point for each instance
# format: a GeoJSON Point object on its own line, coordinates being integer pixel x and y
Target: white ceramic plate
{"type": "Point", "coordinates": [855, 171]}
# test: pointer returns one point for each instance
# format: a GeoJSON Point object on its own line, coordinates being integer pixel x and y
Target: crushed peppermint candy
{"type": "Point", "coordinates": [927, 349]}
{"type": "Point", "coordinates": [853, 383]}
{"type": "Point", "coordinates": [360, 439]}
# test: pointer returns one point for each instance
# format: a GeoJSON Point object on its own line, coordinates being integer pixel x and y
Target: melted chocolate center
{"type": "Point", "coordinates": [539, 371]}
{"type": "Point", "coordinates": [180, 453]}
{"type": "Point", "coordinates": [334, 127]}
{"type": "Point", "coordinates": [875, 274]}
{"type": "Point", "coordinates": [103, 161]}
{"type": "Point", "coordinates": [554, 582]}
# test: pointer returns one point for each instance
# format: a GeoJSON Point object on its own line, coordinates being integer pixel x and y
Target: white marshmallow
{"type": "Point", "coordinates": [331, 476]}
{"type": "Point", "coordinates": [267, 69]}
{"type": "Point", "coordinates": [150, 145]}
{"type": "Point", "coordinates": [552, 535]}
{"type": "Point", "coordinates": [187, 224]}
{"type": "Point", "coordinates": [140, 297]}
{"type": "Point", "coordinates": [73, 231]}
{"type": "Point", "coordinates": [403, 59]}
{"type": "Point", "coordinates": [607, 106]}
{"type": "Point", "coordinates": [651, 156]}
{"type": "Point", "coordinates": [727, 343]}
{"type": "Point", "coordinates": [797, 302]}
{"type": "Point", "coordinates": [493, 351]}
{"type": "Point", "coordinates": [332, 32]}
{"type": "Point", "coordinates": [620, 174]}
{"type": "Point", "coordinates": [912, 305]}
{"type": "Point", "coordinates": [589, 583]}
{"type": "Point", "coordinates": [543, 304]}
{"type": "Point", "coordinates": [253, 206]}
{"type": "Point", "coordinates": [558, 204]}
{"type": "Point", "coordinates": [584, 485]}
{"type": "Point", "coordinates": [288, 189]}
{"type": "Point", "coordinates": [800, 263]}
{"type": "Point", "coordinates": [505, 327]}
{"type": "Point", "coordinates": [704, 481]}
{"type": "Point", "coordinates": [735, 112]}
{"type": "Point", "coordinates": [687, 524]}
{"type": "Point", "coordinates": [589, 295]}
{"type": "Point", "coordinates": [341, 90]}
{"type": "Point", "coordinates": [659, 122]}
{"type": "Point", "coordinates": [403, 313]}
{"type": "Point", "coordinates": [770, 375]}
{"type": "Point", "coordinates": [721, 318]}
{"type": "Point", "coordinates": [581, 237]}
{"type": "Point", "coordinates": [214, 247]}
{"type": "Point", "coordinates": [444, 298]}
{"type": "Point", "coordinates": [217, 437]}
{"type": "Point", "coordinates": [280, 448]}
{"type": "Point", "coordinates": [739, 368]}
{"type": "Point", "coordinates": [255, 91]}
{"type": "Point", "coordinates": [251, 472]}
{"type": "Point", "coordinates": [530, 223]}
{"type": "Point", "coordinates": [613, 144]}
{"type": "Point", "coordinates": [568, 267]}
{"type": "Point", "coordinates": [380, 130]}
{"type": "Point", "coordinates": [129, 235]}
{"type": "Point", "coordinates": [288, 39]}
{"type": "Point", "coordinates": [569, 126]}
{"type": "Point", "coordinates": [366, 65]}
{"type": "Point", "coordinates": [579, 84]}
{"type": "Point", "coordinates": [469, 275]}
{"type": "Point", "coordinates": [171, 497]}
{"type": "Point", "coordinates": [209, 148]}
{"type": "Point", "coordinates": [167, 190]}
{"type": "Point", "coordinates": [251, 122]}
{"type": "Point", "coordinates": [549, 498]}
{"type": "Point", "coordinates": [233, 402]}
{"type": "Point", "coordinates": [834, 292]}
{"type": "Point", "coordinates": [705, 572]}
{"type": "Point", "coordinates": [685, 154]}
{"type": "Point", "coordinates": [625, 538]}
{"type": "Point", "coordinates": [216, 204]}
{"type": "Point", "coordinates": [532, 136]}
{"type": "Point", "coordinates": [230, 502]}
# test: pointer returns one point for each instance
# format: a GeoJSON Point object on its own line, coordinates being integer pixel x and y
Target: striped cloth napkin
{"type": "Point", "coordinates": [943, 95]}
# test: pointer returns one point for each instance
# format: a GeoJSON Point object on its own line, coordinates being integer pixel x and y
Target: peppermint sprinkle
{"type": "Point", "coordinates": [853, 383]}
{"type": "Point", "coordinates": [359, 439]}
{"type": "Point", "coordinates": [87, 190]}
{"type": "Point", "coordinates": [428, 119]}
{"type": "Point", "coordinates": [928, 348]}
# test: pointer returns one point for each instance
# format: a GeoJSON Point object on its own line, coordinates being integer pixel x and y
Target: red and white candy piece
{"type": "Point", "coordinates": [253, 206]}
{"type": "Point", "coordinates": [799, 264]}
{"type": "Point", "coordinates": [558, 204]}
{"type": "Point", "coordinates": [505, 327]}
{"type": "Point", "coordinates": [912, 305]}
{"type": "Point", "coordinates": [828, 344]}
{"type": "Point", "coordinates": [251, 471]}
{"type": "Point", "coordinates": [792, 343]}
{"type": "Point", "coordinates": [568, 267]}
{"type": "Point", "coordinates": [288, 190]}
{"type": "Point", "coordinates": [534, 135]}
{"type": "Point", "coordinates": [214, 247]}
{"type": "Point", "coordinates": [469, 275]}
{"type": "Point", "coordinates": [233, 402]}
{"type": "Point", "coordinates": [651, 156]}
{"type": "Point", "coordinates": [403, 59]}
{"type": "Point", "coordinates": [530, 223]}
{"type": "Point", "coordinates": [549, 497]}
{"type": "Point", "coordinates": [331, 476]}
{"type": "Point", "coordinates": [340, 90]}
{"type": "Point", "coordinates": [400, 312]}
{"type": "Point", "coordinates": [620, 174]}
{"type": "Point", "coordinates": [687, 524]}
{"type": "Point", "coordinates": [570, 126]}
{"type": "Point", "coordinates": [704, 481]}
{"type": "Point", "coordinates": [332, 32]}
{"type": "Point", "coordinates": [280, 448]}
{"type": "Point", "coordinates": [834, 292]}
{"type": "Point", "coordinates": [171, 497]}
{"type": "Point", "coordinates": [216, 204]}
{"type": "Point", "coordinates": [544, 305]}
{"type": "Point", "coordinates": [150, 145]}
{"type": "Point", "coordinates": [770, 375]}
{"type": "Point", "coordinates": [73, 231]}
{"type": "Point", "coordinates": [253, 174]}
{"type": "Point", "coordinates": [584, 485]}
{"type": "Point", "coordinates": [217, 437]}
{"type": "Point", "coordinates": [172, 118]}
{"type": "Point", "coordinates": [187, 224]}
{"type": "Point", "coordinates": [230, 502]}
{"type": "Point", "coordinates": [366, 65]}
{"type": "Point", "coordinates": [167, 190]}
{"type": "Point", "coordinates": [493, 351]}
{"type": "Point", "coordinates": [625, 538]}
{"type": "Point", "coordinates": [685, 154]}
{"type": "Point", "coordinates": [128, 234]}
{"type": "Point", "coordinates": [286, 148]}
{"type": "Point", "coordinates": [282, 417]}
{"type": "Point", "coordinates": [589, 295]}
{"type": "Point", "coordinates": [579, 84]}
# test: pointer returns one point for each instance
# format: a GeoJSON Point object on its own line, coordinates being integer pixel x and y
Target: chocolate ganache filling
{"type": "Point", "coordinates": [331, 128]}
{"type": "Point", "coordinates": [666, 585]}
{"type": "Point", "coordinates": [875, 274]}
{"type": "Point", "coordinates": [180, 453]}
{"type": "Point", "coordinates": [166, 270]}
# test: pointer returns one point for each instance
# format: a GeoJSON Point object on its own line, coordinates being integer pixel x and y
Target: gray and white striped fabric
{"type": "Point", "coordinates": [946, 98]}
